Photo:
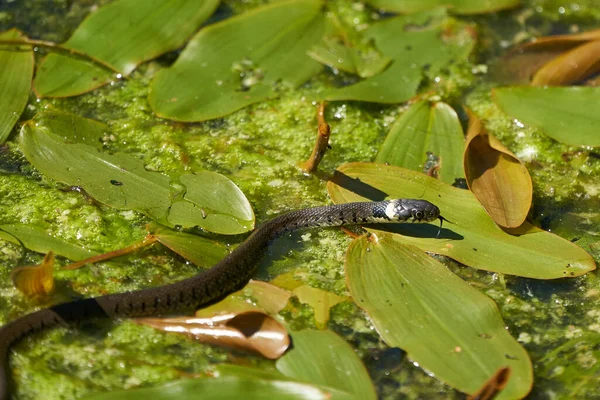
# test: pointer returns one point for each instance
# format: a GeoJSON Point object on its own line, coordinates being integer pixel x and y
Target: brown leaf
{"type": "Point", "coordinates": [496, 177]}
{"type": "Point", "coordinates": [561, 42]}
{"type": "Point", "coordinates": [250, 331]}
{"type": "Point", "coordinates": [572, 66]}
{"type": "Point", "coordinates": [493, 386]}
{"type": "Point", "coordinates": [35, 281]}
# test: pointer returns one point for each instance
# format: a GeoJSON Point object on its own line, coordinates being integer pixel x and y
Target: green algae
{"type": "Point", "coordinates": [259, 148]}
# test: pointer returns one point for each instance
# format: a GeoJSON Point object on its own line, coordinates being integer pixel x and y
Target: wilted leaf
{"type": "Point", "coordinates": [119, 181]}
{"type": "Point", "coordinates": [568, 114]}
{"type": "Point", "coordinates": [455, 6]}
{"type": "Point", "coordinates": [251, 331]}
{"type": "Point", "coordinates": [240, 61]}
{"type": "Point", "coordinates": [16, 72]}
{"type": "Point", "coordinates": [35, 238]}
{"type": "Point", "coordinates": [449, 328]}
{"type": "Point", "coordinates": [496, 177]}
{"type": "Point", "coordinates": [414, 42]}
{"type": "Point", "coordinates": [121, 34]}
{"type": "Point", "coordinates": [561, 42]}
{"type": "Point", "coordinates": [35, 281]}
{"type": "Point", "coordinates": [570, 67]}
{"type": "Point", "coordinates": [426, 128]}
{"type": "Point", "coordinates": [321, 302]}
{"type": "Point", "coordinates": [323, 358]}
{"type": "Point", "coordinates": [473, 238]}
{"type": "Point", "coordinates": [214, 203]}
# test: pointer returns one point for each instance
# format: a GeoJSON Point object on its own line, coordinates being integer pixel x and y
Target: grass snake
{"type": "Point", "coordinates": [228, 275]}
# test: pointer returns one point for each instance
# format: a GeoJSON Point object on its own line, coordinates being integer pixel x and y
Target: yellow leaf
{"type": "Point", "coordinates": [35, 281]}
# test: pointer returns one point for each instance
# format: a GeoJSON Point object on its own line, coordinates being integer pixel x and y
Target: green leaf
{"type": "Point", "coordinates": [323, 358]}
{"type": "Point", "coordinates": [214, 203]}
{"type": "Point", "coordinates": [455, 6]}
{"type": "Point", "coordinates": [473, 238]}
{"type": "Point", "coordinates": [413, 42]}
{"type": "Point", "coordinates": [118, 180]}
{"type": "Point", "coordinates": [73, 128]}
{"type": "Point", "coordinates": [200, 251]}
{"type": "Point", "coordinates": [426, 127]}
{"type": "Point", "coordinates": [231, 382]}
{"type": "Point", "coordinates": [35, 238]}
{"type": "Point", "coordinates": [16, 71]}
{"type": "Point", "coordinates": [240, 61]}
{"type": "Point", "coordinates": [449, 328]}
{"type": "Point", "coordinates": [122, 34]}
{"type": "Point", "coordinates": [567, 114]}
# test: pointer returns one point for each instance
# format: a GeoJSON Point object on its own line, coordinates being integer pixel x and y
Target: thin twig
{"type": "Point", "coordinates": [321, 144]}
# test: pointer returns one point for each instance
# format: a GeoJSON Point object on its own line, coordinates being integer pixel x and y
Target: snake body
{"type": "Point", "coordinates": [228, 275]}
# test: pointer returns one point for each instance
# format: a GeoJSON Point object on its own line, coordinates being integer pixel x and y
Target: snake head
{"type": "Point", "coordinates": [412, 210]}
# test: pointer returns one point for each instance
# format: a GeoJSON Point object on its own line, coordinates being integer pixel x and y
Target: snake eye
{"type": "Point", "coordinates": [419, 215]}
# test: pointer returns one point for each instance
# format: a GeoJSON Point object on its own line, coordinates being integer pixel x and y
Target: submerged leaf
{"type": "Point", "coordinates": [570, 67]}
{"type": "Point", "coordinates": [323, 358]}
{"type": "Point", "coordinates": [426, 128]}
{"type": "Point", "coordinates": [472, 238]}
{"type": "Point", "coordinates": [496, 177]}
{"type": "Point", "coordinates": [16, 72]}
{"type": "Point", "coordinates": [455, 6]}
{"type": "Point", "coordinates": [321, 302]}
{"type": "Point", "coordinates": [449, 328]}
{"type": "Point", "coordinates": [568, 114]}
{"type": "Point", "coordinates": [251, 331]}
{"type": "Point", "coordinates": [121, 34]}
{"type": "Point", "coordinates": [240, 61]}
{"type": "Point", "coordinates": [35, 281]}
{"type": "Point", "coordinates": [214, 203]}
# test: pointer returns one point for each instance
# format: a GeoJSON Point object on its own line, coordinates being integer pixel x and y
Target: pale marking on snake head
{"type": "Point", "coordinates": [390, 210]}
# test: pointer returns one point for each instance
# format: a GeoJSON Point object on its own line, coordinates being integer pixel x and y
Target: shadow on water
{"type": "Point", "coordinates": [419, 231]}
{"type": "Point", "coordinates": [357, 186]}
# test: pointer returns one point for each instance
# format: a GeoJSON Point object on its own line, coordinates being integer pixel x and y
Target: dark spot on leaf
{"type": "Point", "coordinates": [116, 182]}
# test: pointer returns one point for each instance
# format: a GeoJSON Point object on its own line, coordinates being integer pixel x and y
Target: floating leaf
{"type": "Point", "coordinates": [232, 382]}
{"type": "Point", "coordinates": [251, 331]}
{"type": "Point", "coordinates": [255, 296]}
{"type": "Point", "coordinates": [561, 42]}
{"type": "Point", "coordinates": [493, 386]}
{"type": "Point", "coordinates": [73, 128]}
{"type": "Point", "coordinates": [449, 328]}
{"type": "Point", "coordinates": [568, 114]}
{"type": "Point", "coordinates": [121, 34]}
{"type": "Point", "coordinates": [321, 302]}
{"type": "Point", "coordinates": [35, 238]}
{"type": "Point", "coordinates": [323, 358]}
{"type": "Point", "coordinates": [570, 67]}
{"type": "Point", "coordinates": [496, 177]}
{"type": "Point", "coordinates": [16, 72]}
{"type": "Point", "coordinates": [117, 180]}
{"type": "Point", "coordinates": [426, 128]}
{"type": "Point", "coordinates": [455, 6]}
{"type": "Point", "coordinates": [35, 281]}
{"type": "Point", "coordinates": [473, 238]}
{"type": "Point", "coordinates": [240, 61]}
{"type": "Point", "coordinates": [414, 42]}
{"type": "Point", "coordinates": [212, 202]}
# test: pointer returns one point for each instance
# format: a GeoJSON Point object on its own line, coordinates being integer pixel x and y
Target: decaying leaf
{"type": "Point", "coordinates": [572, 66]}
{"type": "Point", "coordinates": [496, 177]}
{"type": "Point", "coordinates": [250, 331]}
{"type": "Point", "coordinates": [493, 386]}
{"type": "Point", "coordinates": [35, 281]}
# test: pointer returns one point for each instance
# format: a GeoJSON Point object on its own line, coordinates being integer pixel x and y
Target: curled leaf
{"type": "Point", "coordinates": [35, 281]}
{"type": "Point", "coordinates": [496, 177]}
{"type": "Point", "coordinates": [249, 331]}
{"type": "Point", "coordinates": [570, 67]}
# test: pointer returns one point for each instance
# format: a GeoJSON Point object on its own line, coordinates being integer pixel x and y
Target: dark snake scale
{"type": "Point", "coordinates": [228, 275]}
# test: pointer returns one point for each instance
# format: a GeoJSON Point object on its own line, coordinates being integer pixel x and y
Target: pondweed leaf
{"type": "Point", "coordinates": [473, 238]}
{"type": "Point", "coordinates": [240, 61]}
{"type": "Point", "coordinates": [454, 6]}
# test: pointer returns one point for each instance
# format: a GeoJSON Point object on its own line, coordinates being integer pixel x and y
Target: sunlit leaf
{"type": "Point", "coordinates": [321, 302]}
{"type": "Point", "coordinates": [455, 6]}
{"type": "Point", "coordinates": [414, 42]}
{"type": "Point", "coordinates": [426, 128]}
{"type": "Point", "coordinates": [240, 61]}
{"type": "Point", "coordinates": [212, 202]}
{"type": "Point", "coordinates": [37, 239]}
{"type": "Point", "coordinates": [449, 328]}
{"type": "Point", "coordinates": [121, 34]}
{"type": "Point", "coordinates": [568, 114]}
{"type": "Point", "coordinates": [73, 128]}
{"type": "Point", "coordinates": [323, 358]}
{"type": "Point", "coordinates": [201, 251]}
{"type": "Point", "coordinates": [473, 238]}
{"type": "Point", "coordinates": [35, 281]}
{"type": "Point", "coordinates": [250, 331]}
{"type": "Point", "coordinates": [561, 42]}
{"type": "Point", "coordinates": [496, 177]}
{"type": "Point", "coordinates": [570, 67]}
{"type": "Point", "coordinates": [119, 181]}
{"type": "Point", "coordinates": [494, 385]}
{"type": "Point", "coordinates": [16, 72]}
